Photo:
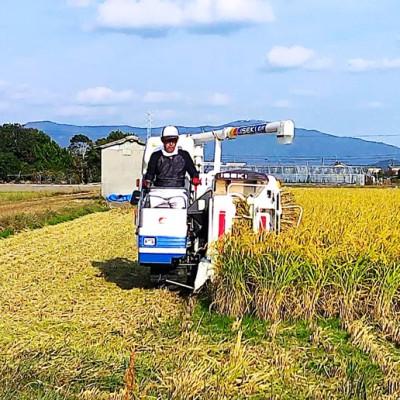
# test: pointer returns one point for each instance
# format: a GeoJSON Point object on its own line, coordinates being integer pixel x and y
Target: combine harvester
{"type": "Point", "coordinates": [176, 227]}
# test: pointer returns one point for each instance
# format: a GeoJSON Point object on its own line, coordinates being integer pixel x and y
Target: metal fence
{"type": "Point", "coordinates": [329, 175]}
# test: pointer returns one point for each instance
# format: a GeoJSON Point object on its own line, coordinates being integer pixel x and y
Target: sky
{"type": "Point", "coordinates": [329, 65]}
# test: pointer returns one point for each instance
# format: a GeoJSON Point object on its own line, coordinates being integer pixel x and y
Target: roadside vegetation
{"type": "Point", "coordinates": [10, 197]}
{"type": "Point", "coordinates": [33, 210]}
{"type": "Point", "coordinates": [79, 320]}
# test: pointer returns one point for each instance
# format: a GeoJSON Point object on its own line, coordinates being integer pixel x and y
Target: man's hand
{"type": "Point", "coordinates": [196, 181]}
{"type": "Point", "coordinates": [146, 184]}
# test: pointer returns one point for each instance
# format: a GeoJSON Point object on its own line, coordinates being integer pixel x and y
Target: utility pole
{"type": "Point", "coordinates": [149, 123]}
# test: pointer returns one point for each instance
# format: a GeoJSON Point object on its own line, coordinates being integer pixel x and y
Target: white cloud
{"type": "Point", "coordinates": [102, 95]}
{"type": "Point", "coordinates": [289, 57]}
{"type": "Point", "coordinates": [162, 97]}
{"type": "Point", "coordinates": [304, 92]}
{"type": "Point", "coordinates": [84, 111]}
{"type": "Point", "coordinates": [164, 14]}
{"type": "Point", "coordinates": [21, 93]}
{"type": "Point", "coordinates": [257, 11]}
{"type": "Point", "coordinates": [363, 65]}
{"type": "Point", "coordinates": [282, 103]}
{"type": "Point", "coordinates": [79, 3]}
{"type": "Point", "coordinates": [319, 64]}
{"type": "Point", "coordinates": [219, 99]}
{"type": "Point", "coordinates": [73, 110]}
{"type": "Point", "coordinates": [281, 57]}
{"type": "Point", "coordinates": [165, 115]}
{"type": "Point", "coordinates": [214, 99]}
{"type": "Point", "coordinates": [25, 94]}
{"type": "Point", "coordinates": [373, 105]}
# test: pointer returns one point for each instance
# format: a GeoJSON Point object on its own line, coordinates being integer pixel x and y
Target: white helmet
{"type": "Point", "coordinates": [170, 131]}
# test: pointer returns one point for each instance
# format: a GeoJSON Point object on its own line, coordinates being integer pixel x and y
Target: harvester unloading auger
{"type": "Point", "coordinates": [176, 227]}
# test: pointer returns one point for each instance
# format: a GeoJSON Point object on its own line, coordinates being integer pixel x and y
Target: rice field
{"type": "Point", "coordinates": [310, 314]}
{"type": "Point", "coordinates": [9, 197]}
{"type": "Point", "coordinates": [29, 210]}
{"type": "Point", "coordinates": [343, 262]}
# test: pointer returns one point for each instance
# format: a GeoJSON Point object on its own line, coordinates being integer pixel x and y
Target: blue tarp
{"type": "Point", "coordinates": [119, 198]}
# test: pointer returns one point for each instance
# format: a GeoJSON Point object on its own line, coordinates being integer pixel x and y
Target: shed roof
{"type": "Point", "coordinates": [130, 138]}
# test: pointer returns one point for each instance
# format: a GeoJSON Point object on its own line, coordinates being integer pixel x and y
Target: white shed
{"type": "Point", "coordinates": [121, 165]}
{"type": "Point", "coordinates": [394, 169]}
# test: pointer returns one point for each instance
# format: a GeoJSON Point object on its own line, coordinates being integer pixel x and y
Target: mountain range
{"type": "Point", "coordinates": [309, 146]}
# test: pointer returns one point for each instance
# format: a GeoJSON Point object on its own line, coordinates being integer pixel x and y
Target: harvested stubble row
{"type": "Point", "coordinates": [65, 318]}
{"type": "Point", "coordinates": [73, 313]}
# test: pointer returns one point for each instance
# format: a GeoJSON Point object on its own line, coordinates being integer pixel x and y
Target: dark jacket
{"type": "Point", "coordinates": [170, 171]}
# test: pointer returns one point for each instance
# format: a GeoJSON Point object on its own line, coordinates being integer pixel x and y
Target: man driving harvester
{"type": "Point", "coordinates": [177, 226]}
{"type": "Point", "coordinates": [167, 167]}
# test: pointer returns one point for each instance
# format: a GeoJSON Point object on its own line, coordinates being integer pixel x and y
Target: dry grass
{"type": "Point", "coordinates": [59, 314]}
{"type": "Point", "coordinates": [27, 210]}
{"type": "Point", "coordinates": [9, 197]}
{"type": "Point", "coordinates": [37, 202]}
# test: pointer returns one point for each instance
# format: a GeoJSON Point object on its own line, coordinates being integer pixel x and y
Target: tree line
{"type": "Point", "coordinates": [27, 154]}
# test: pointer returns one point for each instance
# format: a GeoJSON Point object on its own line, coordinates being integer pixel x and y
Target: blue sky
{"type": "Point", "coordinates": [329, 65]}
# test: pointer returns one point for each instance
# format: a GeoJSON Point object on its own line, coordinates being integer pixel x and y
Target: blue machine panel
{"type": "Point", "coordinates": [154, 258]}
{"type": "Point", "coordinates": [168, 244]}
{"type": "Point", "coordinates": [164, 242]}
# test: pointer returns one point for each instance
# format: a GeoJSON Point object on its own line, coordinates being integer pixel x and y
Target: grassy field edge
{"type": "Point", "coordinates": [26, 220]}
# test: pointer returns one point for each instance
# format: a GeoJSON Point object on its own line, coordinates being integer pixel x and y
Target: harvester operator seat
{"type": "Point", "coordinates": [158, 197]}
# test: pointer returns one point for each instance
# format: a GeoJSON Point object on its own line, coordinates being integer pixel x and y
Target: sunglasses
{"type": "Point", "coordinates": [169, 140]}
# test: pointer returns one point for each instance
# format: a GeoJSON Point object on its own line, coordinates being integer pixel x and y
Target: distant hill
{"type": "Point", "coordinates": [309, 146]}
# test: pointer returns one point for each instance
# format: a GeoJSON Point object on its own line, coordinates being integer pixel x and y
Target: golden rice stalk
{"type": "Point", "coordinates": [268, 304]}
{"type": "Point", "coordinates": [390, 325]}
{"type": "Point", "coordinates": [243, 220]}
{"type": "Point", "coordinates": [366, 339]}
{"type": "Point", "coordinates": [130, 378]}
{"type": "Point", "coordinates": [290, 214]}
